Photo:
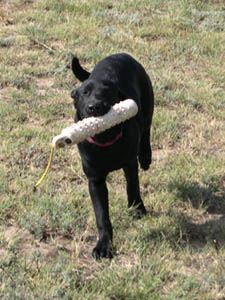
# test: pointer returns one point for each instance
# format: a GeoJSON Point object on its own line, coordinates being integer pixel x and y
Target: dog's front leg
{"type": "Point", "coordinates": [99, 197]}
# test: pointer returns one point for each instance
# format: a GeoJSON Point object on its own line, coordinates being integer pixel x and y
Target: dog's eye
{"type": "Point", "coordinates": [86, 92]}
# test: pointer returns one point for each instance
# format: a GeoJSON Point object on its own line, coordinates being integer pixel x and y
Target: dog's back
{"type": "Point", "coordinates": [133, 82]}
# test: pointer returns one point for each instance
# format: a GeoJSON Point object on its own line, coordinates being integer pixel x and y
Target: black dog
{"type": "Point", "coordinates": [115, 78]}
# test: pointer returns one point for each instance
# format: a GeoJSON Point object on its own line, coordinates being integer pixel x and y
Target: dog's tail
{"type": "Point", "coordinates": [78, 71]}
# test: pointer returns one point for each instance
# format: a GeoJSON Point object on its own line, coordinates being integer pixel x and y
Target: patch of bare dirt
{"type": "Point", "coordinates": [25, 244]}
{"type": "Point", "coordinates": [57, 45]}
{"type": "Point", "coordinates": [161, 154]}
{"type": "Point", "coordinates": [43, 84]}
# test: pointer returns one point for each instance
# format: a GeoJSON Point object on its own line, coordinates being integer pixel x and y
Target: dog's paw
{"type": "Point", "coordinates": [137, 212]}
{"type": "Point", "coordinates": [101, 250]}
{"type": "Point", "coordinates": [145, 167]}
{"type": "Point", "coordinates": [145, 161]}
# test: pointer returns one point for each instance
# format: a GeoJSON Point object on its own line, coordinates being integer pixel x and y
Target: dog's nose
{"type": "Point", "coordinates": [93, 108]}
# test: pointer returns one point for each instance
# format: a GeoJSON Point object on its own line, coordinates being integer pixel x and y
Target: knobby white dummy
{"type": "Point", "coordinates": [91, 126]}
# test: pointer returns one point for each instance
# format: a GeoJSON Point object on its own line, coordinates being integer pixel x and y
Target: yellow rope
{"type": "Point", "coordinates": [46, 170]}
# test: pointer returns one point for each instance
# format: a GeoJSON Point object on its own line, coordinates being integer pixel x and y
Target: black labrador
{"type": "Point", "coordinates": [115, 78]}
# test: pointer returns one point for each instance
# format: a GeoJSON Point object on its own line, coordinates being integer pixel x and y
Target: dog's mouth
{"type": "Point", "coordinates": [95, 110]}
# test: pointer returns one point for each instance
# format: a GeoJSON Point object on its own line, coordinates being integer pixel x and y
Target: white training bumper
{"type": "Point", "coordinates": [89, 127]}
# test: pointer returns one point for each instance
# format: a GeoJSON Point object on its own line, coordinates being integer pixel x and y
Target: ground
{"type": "Point", "coordinates": [177, 250]}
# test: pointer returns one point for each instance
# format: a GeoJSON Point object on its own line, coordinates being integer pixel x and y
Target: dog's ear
{"type": "Point", "coordinates": [75, 97]}
{"type": "Point", "coordinates": [74, 94]}
{"type": "Point", "coordinates": [78, 71]}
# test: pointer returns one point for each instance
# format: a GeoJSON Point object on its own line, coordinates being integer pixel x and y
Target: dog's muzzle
{"type": "Point", "coordinates": [96, 109]}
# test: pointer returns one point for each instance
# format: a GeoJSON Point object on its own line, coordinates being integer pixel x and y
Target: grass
{"type": "Point", "coordinates": [177, 251]}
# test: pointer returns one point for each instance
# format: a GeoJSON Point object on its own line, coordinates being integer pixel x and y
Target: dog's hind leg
{"type": "Point", "coordinates": [133, 189]}
{"type": "Point", "coordinates": [145, 151]}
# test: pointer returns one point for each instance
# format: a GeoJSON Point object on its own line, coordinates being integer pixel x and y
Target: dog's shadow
{"type": "Point", "coordinates": [209, 197]}
{"type": "Point", "coordinates": [207, 226]}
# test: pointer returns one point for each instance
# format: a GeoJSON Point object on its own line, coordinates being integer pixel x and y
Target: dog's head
{"type": "Point", "coordinates": [95, 98]}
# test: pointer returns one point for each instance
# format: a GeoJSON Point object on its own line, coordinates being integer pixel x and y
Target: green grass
{"type": "Point", "coordinates": [177, 251]}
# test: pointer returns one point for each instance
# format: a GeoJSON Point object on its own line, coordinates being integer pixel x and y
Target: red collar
{"type": "Point", "coordinates": [90, 140]}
